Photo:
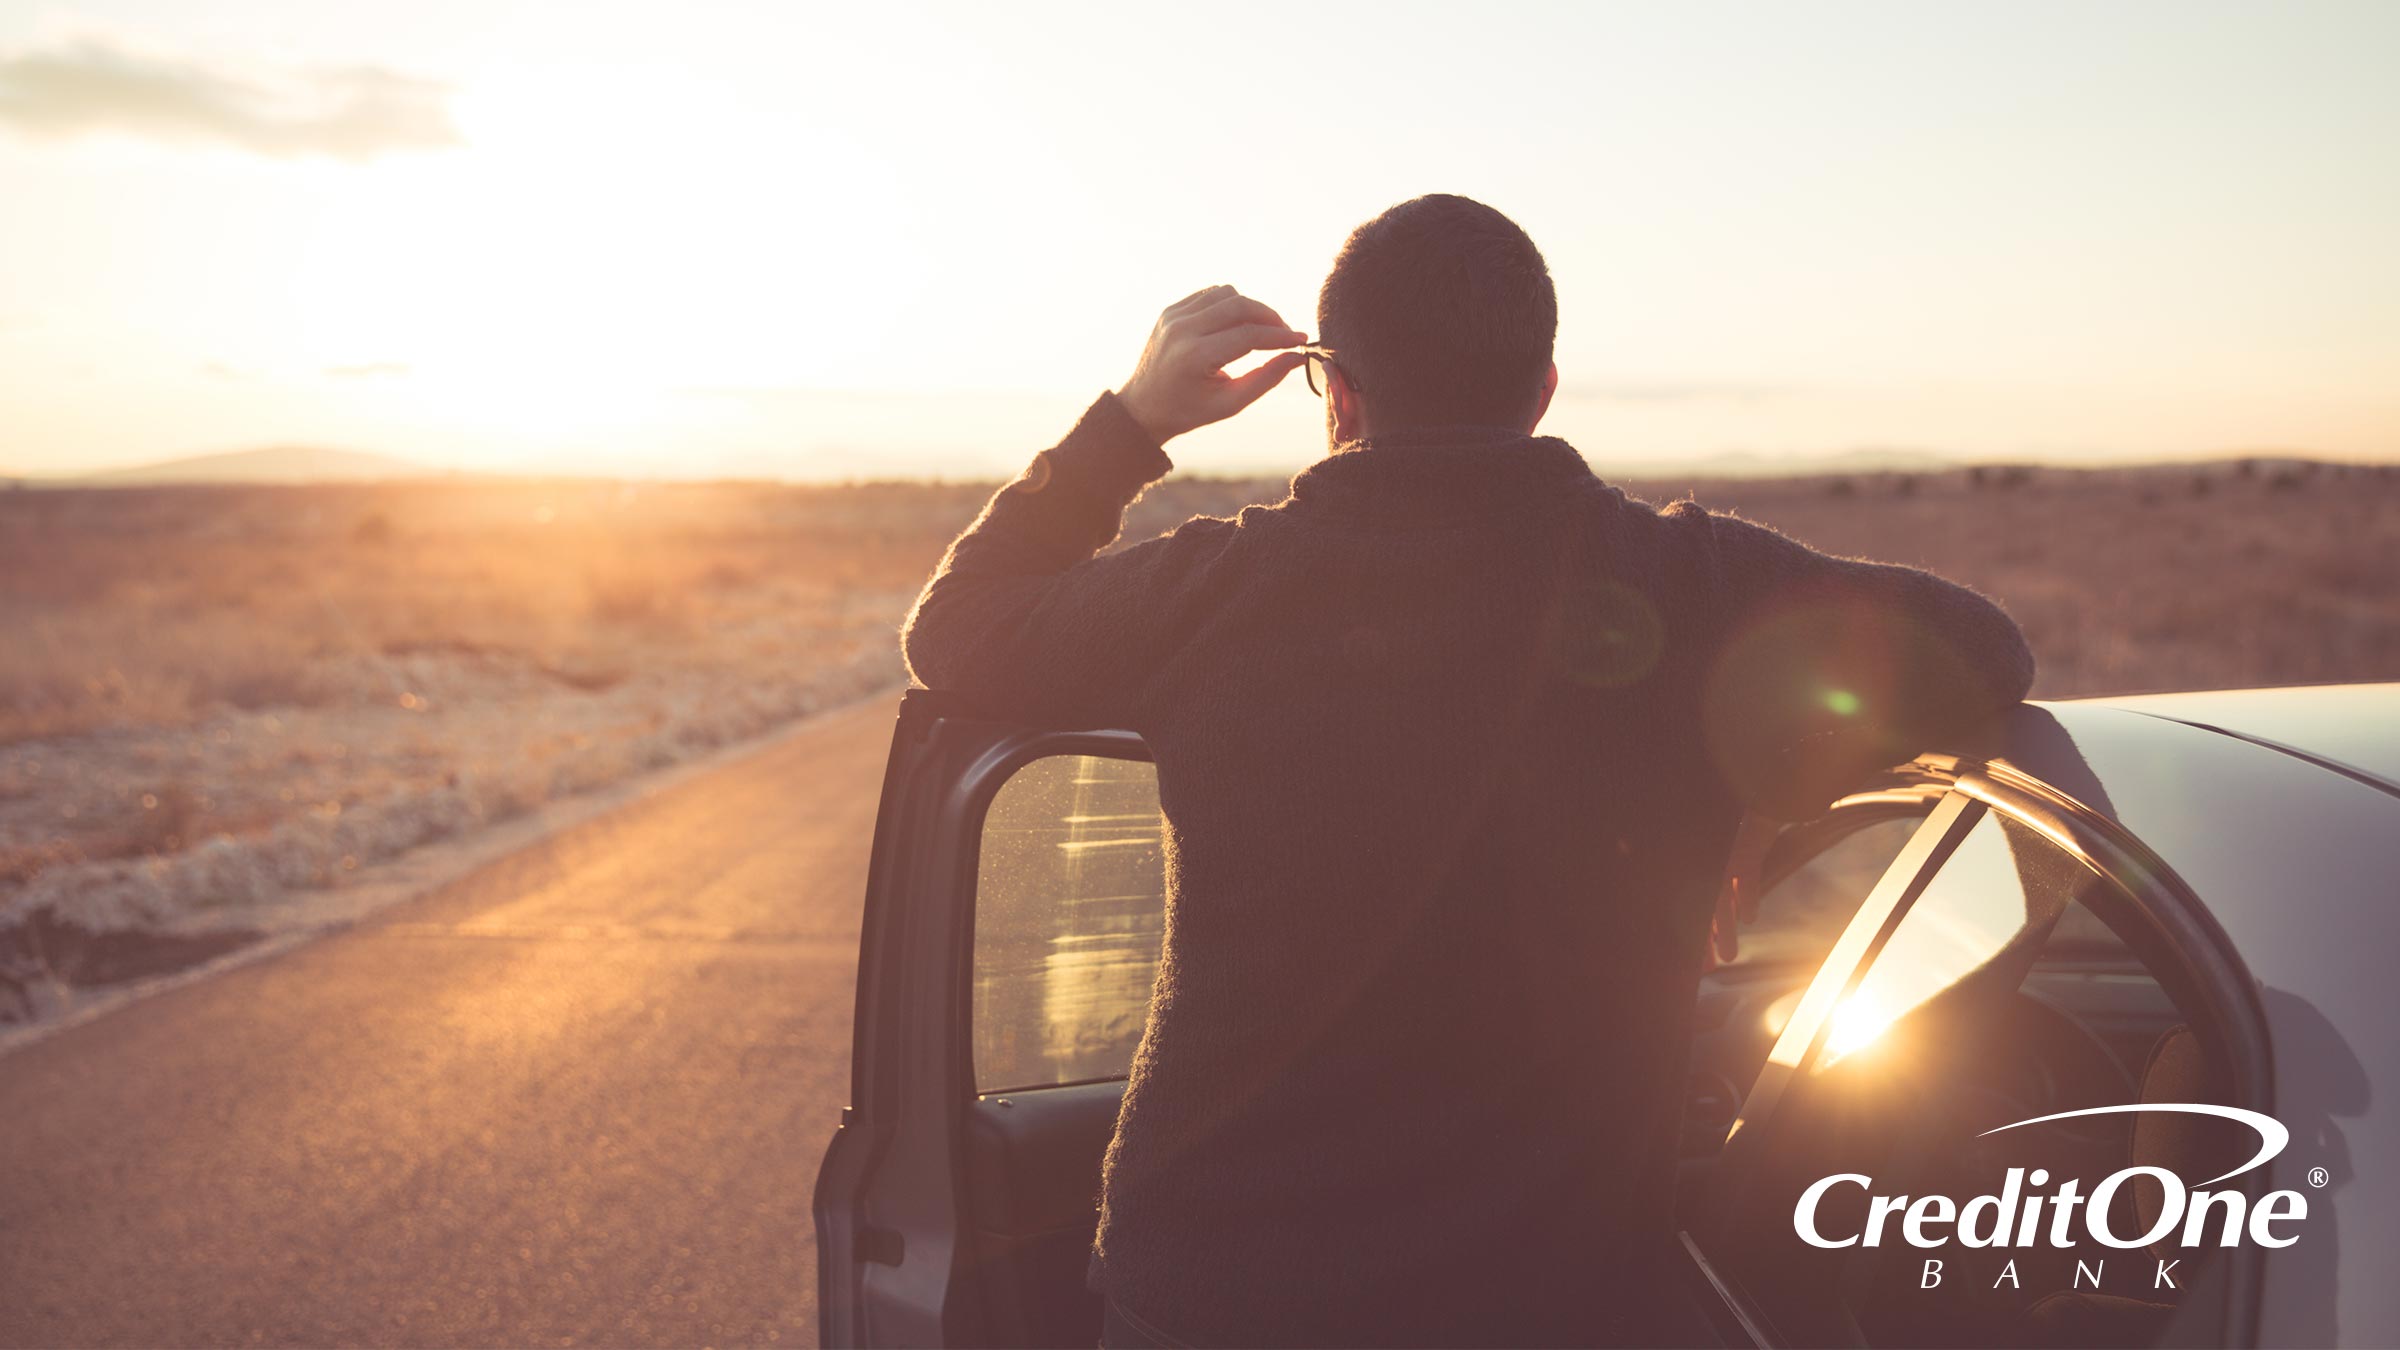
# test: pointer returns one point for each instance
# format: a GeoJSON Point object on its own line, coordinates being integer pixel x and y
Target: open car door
{"type": "Point", "coordinates": [1014, 908]}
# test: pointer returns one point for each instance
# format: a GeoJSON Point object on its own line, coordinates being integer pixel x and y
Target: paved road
{"type": "Point", "coordinates": [575, 1097]}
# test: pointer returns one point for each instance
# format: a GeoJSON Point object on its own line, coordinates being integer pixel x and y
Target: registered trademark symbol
{"type": "Point", "coordinates": [2318, 1176]}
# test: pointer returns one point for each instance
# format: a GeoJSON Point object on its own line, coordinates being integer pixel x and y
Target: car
{"type": "Point", "coordinates": [2049, 991]}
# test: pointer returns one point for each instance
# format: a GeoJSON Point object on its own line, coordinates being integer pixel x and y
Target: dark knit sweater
{"type": "Point", "coordinates": [1451, 746]}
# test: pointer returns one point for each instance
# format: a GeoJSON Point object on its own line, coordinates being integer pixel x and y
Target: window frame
{"type": "Point", "coordinates": [2202, 960]}
{"type": "Point", "coordinates": [896, 1263]}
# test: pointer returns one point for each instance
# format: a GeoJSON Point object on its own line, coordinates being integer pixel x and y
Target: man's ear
{"type": "Point", "coordinates": [1349, 422]}
{"type": "Point", "coordinates": [1542, 407]}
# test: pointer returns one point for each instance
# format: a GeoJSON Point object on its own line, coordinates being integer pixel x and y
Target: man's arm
{"type": "Point", "coordinates": [1021, 614]}
{"type": "Point", "coordinates": [1024, 617]}
{"type": "Point", "coordinates": [1828, 668]}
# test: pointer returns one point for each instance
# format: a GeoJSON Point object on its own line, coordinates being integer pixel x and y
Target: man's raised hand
{"type": "Point", "coordinates": [1181, 382]}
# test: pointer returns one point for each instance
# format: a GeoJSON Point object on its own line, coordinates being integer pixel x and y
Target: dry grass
{"type": "Point", "coordinates": [155, 607]}
{"type": "Point", "coordinates": [2125, 580]}
{"type": "Point", "coordinates": [209, 694]}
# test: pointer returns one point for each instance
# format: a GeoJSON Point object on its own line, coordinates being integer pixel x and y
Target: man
{"type": "Point", "coordinates": [1453, 745]}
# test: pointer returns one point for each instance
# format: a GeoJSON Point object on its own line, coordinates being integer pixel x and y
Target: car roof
{"type": "Point", "coordinates": [2351, 727]}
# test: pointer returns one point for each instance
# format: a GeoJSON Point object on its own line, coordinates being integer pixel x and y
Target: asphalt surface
{"type": "Point", "coordinates": [575, 1097]}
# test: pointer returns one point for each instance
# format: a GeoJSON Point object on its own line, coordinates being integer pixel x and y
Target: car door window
{"type": "Point", "coordinates": [1744, 1002]}
{"type": "Point", "coordinates": [1802, 912]}
{"type": "Point", "coordinates": [1070, 904]}
{"type": "Point", "coordinates": [1993, 896]}
{"type": "Point", "coordinates": [2018, 984]}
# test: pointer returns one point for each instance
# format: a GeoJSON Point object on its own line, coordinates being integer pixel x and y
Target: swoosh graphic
{"type": "Point", "coordinates": [2271, 1134]}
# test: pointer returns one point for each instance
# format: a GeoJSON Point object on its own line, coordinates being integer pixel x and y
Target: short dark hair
{"type": "Point", "coordinates": [1442, 310]}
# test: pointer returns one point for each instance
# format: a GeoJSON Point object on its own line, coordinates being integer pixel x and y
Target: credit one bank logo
{"type": "Point", "coordinates": [2025, 1213]}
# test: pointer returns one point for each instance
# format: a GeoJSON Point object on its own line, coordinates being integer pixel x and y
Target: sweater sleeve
{"type": "Point", "coordinates": [1024, 618]}
{"type": "Point", "coordinates": [1826, 668]}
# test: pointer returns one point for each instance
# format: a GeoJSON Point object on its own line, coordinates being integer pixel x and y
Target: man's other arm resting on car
{"type": "Point", "coordinates": [1829, 668]}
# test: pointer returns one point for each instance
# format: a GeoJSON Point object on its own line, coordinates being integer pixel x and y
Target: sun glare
{"type": "Point", "coordinates": [1858, 1022]}
{"type": "Point", "coordinates": [589, 253]}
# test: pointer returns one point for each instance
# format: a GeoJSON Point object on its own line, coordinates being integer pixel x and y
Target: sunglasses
{"type": "Point", "coordinates": [1318, 355]}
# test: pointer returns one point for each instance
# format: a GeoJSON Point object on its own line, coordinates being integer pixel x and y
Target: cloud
{"type": "Point", "coordinates": [93, 86]}
{"type": "Point", "coordinates": [369, 370]}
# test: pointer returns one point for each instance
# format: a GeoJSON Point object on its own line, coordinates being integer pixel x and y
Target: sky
{"type": "Point", "coordinates": [865, 240]}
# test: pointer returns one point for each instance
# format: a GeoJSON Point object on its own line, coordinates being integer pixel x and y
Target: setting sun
{"type": "Point", "coordinates": [589, 259]}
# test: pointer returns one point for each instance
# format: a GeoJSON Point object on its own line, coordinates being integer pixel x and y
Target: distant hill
{"type": "Point", "coordinates": [274, 464]}
{"type": "Point", "coordinates": [1745, 464]}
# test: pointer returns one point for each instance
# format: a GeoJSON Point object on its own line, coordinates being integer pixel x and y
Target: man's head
{"type": "Point", "coordinates": [1440, 312]}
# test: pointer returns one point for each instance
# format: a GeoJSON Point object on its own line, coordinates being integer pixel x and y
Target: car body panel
{"type": "Point", "coordinates": [2299, 865]}
{"type": "Point", "coordinates": [2351, 726]}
